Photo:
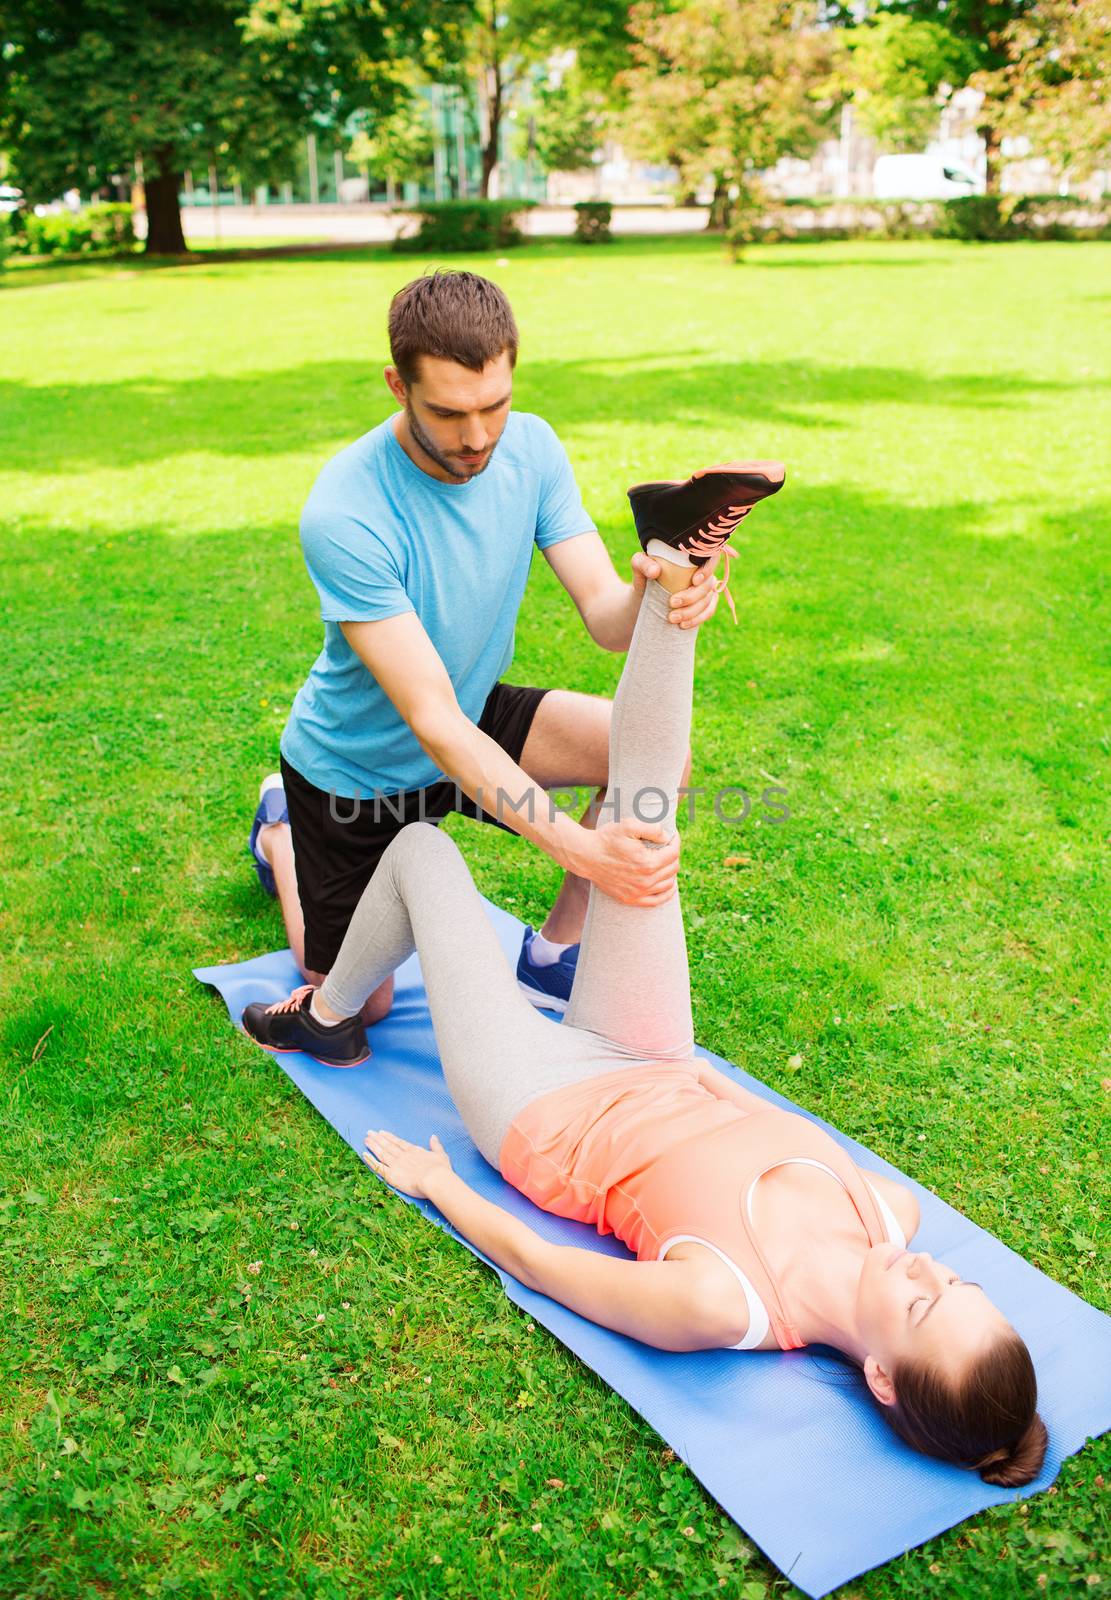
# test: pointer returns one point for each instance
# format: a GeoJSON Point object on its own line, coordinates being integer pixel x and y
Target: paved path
{"type": "Point", "coordinates": [369, 224]}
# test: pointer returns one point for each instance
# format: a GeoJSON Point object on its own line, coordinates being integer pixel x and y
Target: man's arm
{"type": "Point", "coordinates": [400, 656]}
{"type": "Point", "coordinates": [607, 605]}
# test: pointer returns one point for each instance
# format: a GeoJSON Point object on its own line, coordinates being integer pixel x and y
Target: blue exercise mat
{"type": "Point", "coordinates": [796, 1454]}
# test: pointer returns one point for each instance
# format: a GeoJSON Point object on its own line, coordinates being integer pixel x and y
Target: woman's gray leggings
{"type": "Point", "coordinates": [631, 998]}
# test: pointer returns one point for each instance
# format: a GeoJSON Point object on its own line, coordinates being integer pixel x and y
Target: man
{"type": "Point", "coordinates": [418, 538]}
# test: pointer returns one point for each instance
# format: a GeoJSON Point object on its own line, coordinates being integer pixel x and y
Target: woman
{"type": "Point", "coordinates": [751, 1227]}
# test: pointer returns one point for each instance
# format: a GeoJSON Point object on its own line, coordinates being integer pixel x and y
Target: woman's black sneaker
{"type": "Point", "coordinates": [289, 1026]}
{"type": "Point", "coordinates": [696, 515]}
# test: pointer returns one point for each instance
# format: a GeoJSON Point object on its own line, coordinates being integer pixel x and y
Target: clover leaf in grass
{"type": "Point", "coordinates": [234, 1495]}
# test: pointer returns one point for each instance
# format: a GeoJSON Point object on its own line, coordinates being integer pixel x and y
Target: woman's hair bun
{"type": "Point", "coordinates": [1021, 1463]}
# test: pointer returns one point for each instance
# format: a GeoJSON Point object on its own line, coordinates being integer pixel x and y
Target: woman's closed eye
{"type": "Point", "coordinates": [929, 1301]}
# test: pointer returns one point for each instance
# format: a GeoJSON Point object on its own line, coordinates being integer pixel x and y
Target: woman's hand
{"type": "Point", "coordinates": [408, 1167]}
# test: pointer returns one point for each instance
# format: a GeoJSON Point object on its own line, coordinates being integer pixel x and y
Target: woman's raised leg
{"type": "Point", "coordinates": [632, 986]}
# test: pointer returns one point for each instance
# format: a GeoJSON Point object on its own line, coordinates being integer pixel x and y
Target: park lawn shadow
{"type": "Point", "coordinates": [753, 257]}
{"type": "Point", "coordinates": [837, 593]}
{"type": "Point", "coordinates": [48, 272]}
{"type": "Point", "coordinates": [64, 427]}
{"type": "Point", "coordinates": [207, 256]}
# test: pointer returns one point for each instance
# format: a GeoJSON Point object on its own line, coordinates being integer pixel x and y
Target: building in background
{"type": "Point", "coordinates": [324, 174]}
{"type": "Point", "coordinates": [846, 166]}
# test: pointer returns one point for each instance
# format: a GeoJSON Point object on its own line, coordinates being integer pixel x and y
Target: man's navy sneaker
{"type": "Point", "coordinates": [290, 1025]}
{"type": "Point", "coordinates": [547, 987]}
{"type": "Point", "coordinates": [271, 808]}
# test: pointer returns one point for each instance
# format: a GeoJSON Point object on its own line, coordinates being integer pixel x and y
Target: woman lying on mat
{"type": "Point", "coordinates": [752, 1228]}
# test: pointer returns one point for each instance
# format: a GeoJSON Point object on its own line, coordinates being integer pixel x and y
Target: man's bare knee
{"type": "Point", "coordinates": [378, 1004]}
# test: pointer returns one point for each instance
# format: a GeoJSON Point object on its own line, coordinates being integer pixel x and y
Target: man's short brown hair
{"type": "Point", "coordinates": [457, 316]}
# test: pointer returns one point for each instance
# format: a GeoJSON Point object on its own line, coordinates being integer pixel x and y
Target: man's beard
{"type": "Point", "coordinates": [442, 461]}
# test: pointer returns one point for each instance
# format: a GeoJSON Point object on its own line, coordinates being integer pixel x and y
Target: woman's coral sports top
{"type": "Point", "coordinates": [651, 1155]}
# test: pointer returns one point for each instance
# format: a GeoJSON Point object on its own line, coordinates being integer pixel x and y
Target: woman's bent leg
{"type": "Point", "coordinates": [498, 1053]}
{"type": "Point", "coordinates": [632, 985]}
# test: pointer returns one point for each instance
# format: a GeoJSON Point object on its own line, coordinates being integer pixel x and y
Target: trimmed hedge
{"type": "Point", "coordinates": [1032, 216]}
{"type": "Point", "coordinates": [1056, 216]}
{"type": "Point", "coordinates": [448, 226]}
{"type": "Point", "coordinates": [592, 221]}
{"type": "Point", "coordinates": [97, 230]}
{"type": "Point", "coordinates": [968, 217]}
{"type": "Point", "coordinates": [796, 221]}
{"type": "Point", "coordinates": [976, 216]}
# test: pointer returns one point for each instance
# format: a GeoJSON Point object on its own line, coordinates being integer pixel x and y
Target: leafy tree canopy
{"type": "Point", "coordinates": [978, 24]}
{"type": "Point", "coordinates": [1055, 84]}
{"type": "Point", "coordinates": [894, 67]}
{"type": "Point", "coordinates": [88, 85]}
{"type": "Point", "coordinates": [723, 88]}
{"type": "Point", "coordinates": [396, 144]}
{"type": "Point", "coordinates": [569, 122]}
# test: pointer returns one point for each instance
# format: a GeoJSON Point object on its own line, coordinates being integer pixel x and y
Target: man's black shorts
{"type": "Point", "coordinates": [338, 843]}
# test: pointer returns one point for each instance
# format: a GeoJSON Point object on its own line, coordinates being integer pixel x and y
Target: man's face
{"type": "Point", "coordinates": [456, 416]}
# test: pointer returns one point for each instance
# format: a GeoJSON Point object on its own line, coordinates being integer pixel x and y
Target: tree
{"type": "Point", "coordinates": [724, 88]}
{"type": "Point", "coordinates": [979, 26]}
{"type": "Point", "coordinates": [568, 123]}
{"type": "Point", "coordinates": [894, 68]}
{"type": "Point", "coordinates": [508, 38]}
{"type": "Point", "coordinates": [397, 145]}
{"type": "Point", "coordinates": [1056, 84]}
{"type": "Point", "coordinates": [88, 86]}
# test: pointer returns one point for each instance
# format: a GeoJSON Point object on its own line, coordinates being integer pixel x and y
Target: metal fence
{"type": "Point", "coordinates": [324, 174]}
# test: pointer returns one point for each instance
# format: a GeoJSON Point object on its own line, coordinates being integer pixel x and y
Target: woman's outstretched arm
{"type": "Point", "coordinates": [673, 1305]}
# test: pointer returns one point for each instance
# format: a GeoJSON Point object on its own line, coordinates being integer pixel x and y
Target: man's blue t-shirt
{"type": "Point", "coordinates": [381, 537]}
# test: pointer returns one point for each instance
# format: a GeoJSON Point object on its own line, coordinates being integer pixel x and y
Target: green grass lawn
{"type": "Point", "coordinates": [919, 953]}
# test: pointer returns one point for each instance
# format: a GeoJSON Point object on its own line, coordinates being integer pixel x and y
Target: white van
{"type": "Point", "coordinates": [928, 177]}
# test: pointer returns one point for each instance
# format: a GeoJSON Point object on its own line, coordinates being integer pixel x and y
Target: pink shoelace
{"type": "Point", "coordinates": [294, 1001]}
{"type": "Point", "coordinates": [713, 538]}
{"type": "Point", "coordinates": [723, 583]}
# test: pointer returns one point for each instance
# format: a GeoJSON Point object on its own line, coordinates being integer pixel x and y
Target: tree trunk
{"type": "Point", "coordinates": [165, 235]}
{"type": "Point", "coordinates": [494, 91]}
{"type": "Point", "coordinates": [993, 144]}
{"type": "Point", "coordinates": [687, 188]}
{"type": "Point", "coordinates": [721, 207]}
{"type": "Point", "coordinates": [493, 128]}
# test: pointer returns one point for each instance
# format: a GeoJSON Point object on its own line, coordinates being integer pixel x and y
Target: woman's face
{"type": "Point", "coordinates": [910, 1307]}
